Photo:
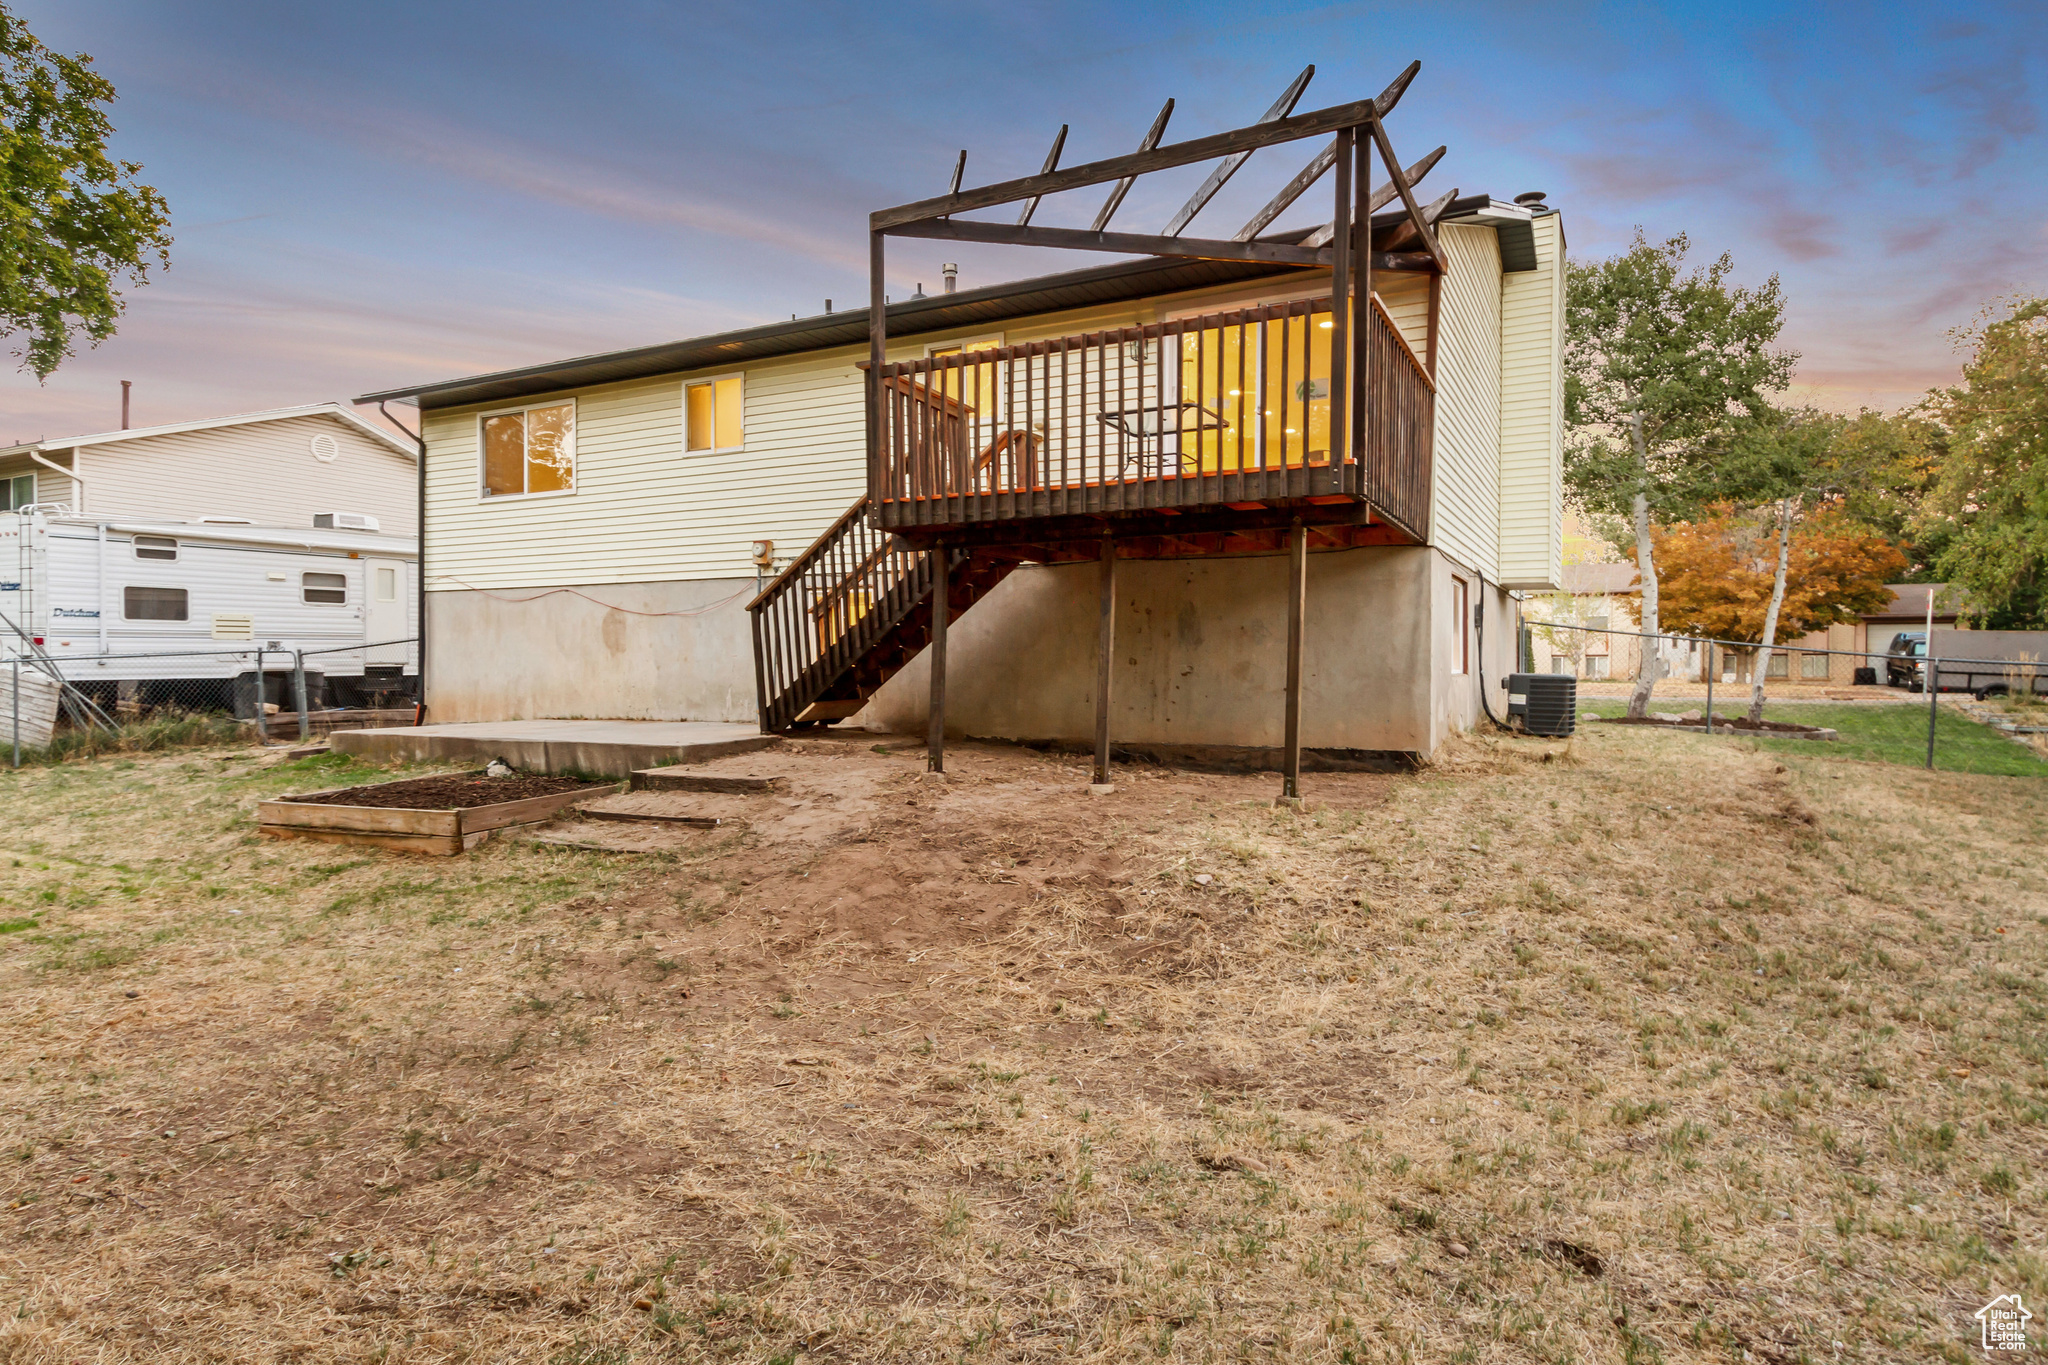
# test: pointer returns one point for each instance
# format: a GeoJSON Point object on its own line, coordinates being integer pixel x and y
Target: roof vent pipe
{"type": "Point", "coordinates": [952, 274]}
{"type": "Point", "coordinates": [828, 305]}
{"type": "Point", "coordinates": [125, 384]}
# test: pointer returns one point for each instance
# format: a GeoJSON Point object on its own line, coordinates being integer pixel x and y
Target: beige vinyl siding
{"type": "Point", "coordinates": [1465, 484]}
{"type": "Point", "coordinates": [1532, 415]}
{"type": "Point", "coordinates": [263, 472]}
{"type": "Point", "coordinates": [1406, 296]}
{"type": "Point", "coordinates": [646, 511]}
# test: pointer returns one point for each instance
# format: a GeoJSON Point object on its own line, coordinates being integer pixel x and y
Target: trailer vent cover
{"type": "Point", "coordinates": [1548, 703]}
{"type": "Point", "coordinates": [233, 626]}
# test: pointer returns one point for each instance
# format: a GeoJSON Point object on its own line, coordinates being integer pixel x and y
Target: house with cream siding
{"type": "Point", "coordinates": [617, 584]}
{"type": "Point", "coordinates": [276, 468]}
{"type": "Point", "coordinates": [757, 525]}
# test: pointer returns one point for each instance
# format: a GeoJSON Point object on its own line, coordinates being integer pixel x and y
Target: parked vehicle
{"type": "Point", "coordinates": [150, 611]}
{"type": "Point", "coordinates": [1986, 663]}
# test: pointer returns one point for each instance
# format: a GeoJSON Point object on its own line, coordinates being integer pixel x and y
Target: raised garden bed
{"type": "Point", "coordinates": [1697, 724]}
{"type": "Point", "coordinates": [444, 815]}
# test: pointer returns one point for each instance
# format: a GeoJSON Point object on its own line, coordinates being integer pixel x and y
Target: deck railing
{"type": "Point", "coordinates": [824, 612]}
{"type": "Point", "coordinates": [1228, 407]}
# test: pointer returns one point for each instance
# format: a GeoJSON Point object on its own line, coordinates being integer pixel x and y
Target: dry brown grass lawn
{"type": "Point", "coordinates": [1645, 1048]}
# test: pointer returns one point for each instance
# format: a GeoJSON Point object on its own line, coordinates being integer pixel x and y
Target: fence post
{"type": "Point", "coordinates": [262, 723]}
{"type": "Point", "coordinates": [17, 712]}
{"type": "Point", "coordinates": [1933, 700]}
{"type": "Point", "coordinates": [1712, 668]}
{"type": "Point", "coordinates": [299, 692]}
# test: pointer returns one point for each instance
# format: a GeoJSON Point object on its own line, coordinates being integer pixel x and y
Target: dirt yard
{"type": "Point", "coordinates": [1645, 1047]}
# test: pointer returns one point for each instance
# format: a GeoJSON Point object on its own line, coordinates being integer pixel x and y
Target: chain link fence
{"type": "Point", "coordinates": [54, 707]}
{"type": "Point", "coordinates": [2008, 694]}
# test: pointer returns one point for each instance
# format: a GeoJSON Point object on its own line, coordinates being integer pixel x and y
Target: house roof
{"type": "Point", "coordinates": [1909, 600]}
{"type": "Point", "coordinates": [1589, 579]}
{"type": "Point", "coordinates": [1113, 283]}
{"type": "Point", "coordinates": [335, 410]}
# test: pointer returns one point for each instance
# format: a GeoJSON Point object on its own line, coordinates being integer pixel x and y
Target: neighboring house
{"type": "Point", "coordinates": [596, 527]}
{"type": "Point", "coordinates": [277, 468]}
{"type": "Point", "coordinates": [1601, 597]}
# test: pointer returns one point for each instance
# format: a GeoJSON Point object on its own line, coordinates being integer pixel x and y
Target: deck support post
{"type": "Point", "coordinates": [942, 611]}
{"type": "Point", "coordinates": [1342, 316]}
{"type": "Point", "coordinates": [1297, 603]}
{"type": "Point", "coordinates": [1105, 658]}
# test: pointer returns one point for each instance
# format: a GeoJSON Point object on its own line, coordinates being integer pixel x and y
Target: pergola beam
{"type": "Point", "coordinates": [1294, 129]}
{"type": "Point", "coordinates": [1219, 177]}
{"type": "Point", "coordinates": [1123, 186]}
{"type": "Point", "coordinates": [1122, 243]}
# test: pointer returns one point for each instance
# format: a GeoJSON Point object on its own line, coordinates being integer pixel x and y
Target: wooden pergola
{"type": "Point", "coordinates": [1356, 133]}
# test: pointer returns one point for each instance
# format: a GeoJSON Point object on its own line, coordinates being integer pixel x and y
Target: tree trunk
{"type": "Point", "coordinates": [1647, 658]}
{"type": "Point", "coordinates": [1763, 658]}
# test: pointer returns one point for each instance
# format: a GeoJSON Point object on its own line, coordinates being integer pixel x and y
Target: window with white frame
{"type": "Point", "coordinates": [329, 589]}
{"type": "Point", "coordinates": [528, 451]}
{"type": "Point", "coordinates": [17, 492]}
{"type": "Point", "coordinates": [156, 547]}
{"type": "Point", "coordinates": [712, 414]}
{"type": "Point", "coordinates": [1813, 665]}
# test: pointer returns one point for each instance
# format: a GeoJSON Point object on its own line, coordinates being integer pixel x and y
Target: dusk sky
{"type": "Point", "coordinates": [372, 194]}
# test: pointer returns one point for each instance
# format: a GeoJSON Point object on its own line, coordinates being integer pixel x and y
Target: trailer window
{"type": "Point", "coordinates": [156, 547]}
{"type": "Point", "coordinates": [153, 604]}
{"type": "Point", "coordinates": [323, 587]}
{"type": "Point", "coordinates": [529, 451]}
{"type": "Point", "coordinates": [387, 584]}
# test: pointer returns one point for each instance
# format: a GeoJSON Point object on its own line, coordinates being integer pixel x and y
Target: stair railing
{"type": "Point", "coordinates": [825, 611]}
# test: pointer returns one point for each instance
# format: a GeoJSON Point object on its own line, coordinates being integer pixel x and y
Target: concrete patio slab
{"type": "Point", "coordinates": [610, 748]}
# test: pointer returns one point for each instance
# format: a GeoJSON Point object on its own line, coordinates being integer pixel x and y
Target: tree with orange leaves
{"type": "Point", "coordinates": [1720, 572]}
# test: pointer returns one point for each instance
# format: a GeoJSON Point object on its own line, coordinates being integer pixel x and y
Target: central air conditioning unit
{"type": "Point", "coordinates": [1548, 703]}
{"type": "Point", "coordinates": [344, 521]}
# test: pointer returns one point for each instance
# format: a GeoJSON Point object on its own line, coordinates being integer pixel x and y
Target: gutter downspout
{"type": "Point", "coordinates": [71, 474]}
{"type": "Point", "coordinates": [419, 562]}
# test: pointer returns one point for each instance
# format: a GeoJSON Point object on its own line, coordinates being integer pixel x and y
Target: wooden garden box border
{"type": "Point", "coordinates": [421, 830]}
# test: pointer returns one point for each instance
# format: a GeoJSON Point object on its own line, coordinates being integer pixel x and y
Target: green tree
{"type": "Point", "coordinates": [76, 222]}
{"type": "Point", "coordinates": [1988, 506]}
{"type": "Point", "coordinates": [1659, 362]}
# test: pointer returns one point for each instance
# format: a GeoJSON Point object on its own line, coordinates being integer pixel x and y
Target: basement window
{"type": "Point", "coordinates": [156, 547]}
{"type": "Point", "coordinates": [329, 588]}
{"type": "Point", "coordinates": [529, 451]}
{"type": "Point", "coordinates": [153, 604]}
{"type": "Point", "coordinates": [1461, 612]}
{"type": "Point", "coordinates": [712, 414]}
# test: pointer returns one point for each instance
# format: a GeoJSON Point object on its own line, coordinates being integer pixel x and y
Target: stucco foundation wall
{"type": "Point", "coordinates": [1201, 655]}
{"type": "Point", "coordinates": [557, 655]}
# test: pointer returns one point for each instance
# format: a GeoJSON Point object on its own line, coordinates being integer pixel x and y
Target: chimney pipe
{"type": "Point", "coordinates": [124, 403]}
{"type": "Point", "coordinates": [952, 274]}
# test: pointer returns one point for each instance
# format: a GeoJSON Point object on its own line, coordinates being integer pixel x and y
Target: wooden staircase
{"type": "Point", "coordinates": [847, 615]}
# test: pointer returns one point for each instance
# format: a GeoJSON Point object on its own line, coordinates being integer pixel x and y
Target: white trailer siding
{"type": "Point", "coordinates": [68, 586]}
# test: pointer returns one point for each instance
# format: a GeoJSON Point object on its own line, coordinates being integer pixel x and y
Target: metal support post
{"type": "Point", "coordinates": [17, 713]}
{"type": "Point", "coordinates": [262, 721]}
{"type": "Point", "coordinates": [1297, 602]}
{"type": "Point", "coordinates": [1933, 698]}
{"type": "Point", "coordinates": [1105, 654]}
{"type": "Point", "coordinates": [942, 609]}
{"type": "Point", "coordinates": [299, 692]}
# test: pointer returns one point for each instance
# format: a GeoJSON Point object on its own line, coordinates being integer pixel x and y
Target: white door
{"type": "Point", "coordinates": [384, 610]}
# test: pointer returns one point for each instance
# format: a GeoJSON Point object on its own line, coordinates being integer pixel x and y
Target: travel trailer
{"type": "Point", "coordinates": [152, 612]}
